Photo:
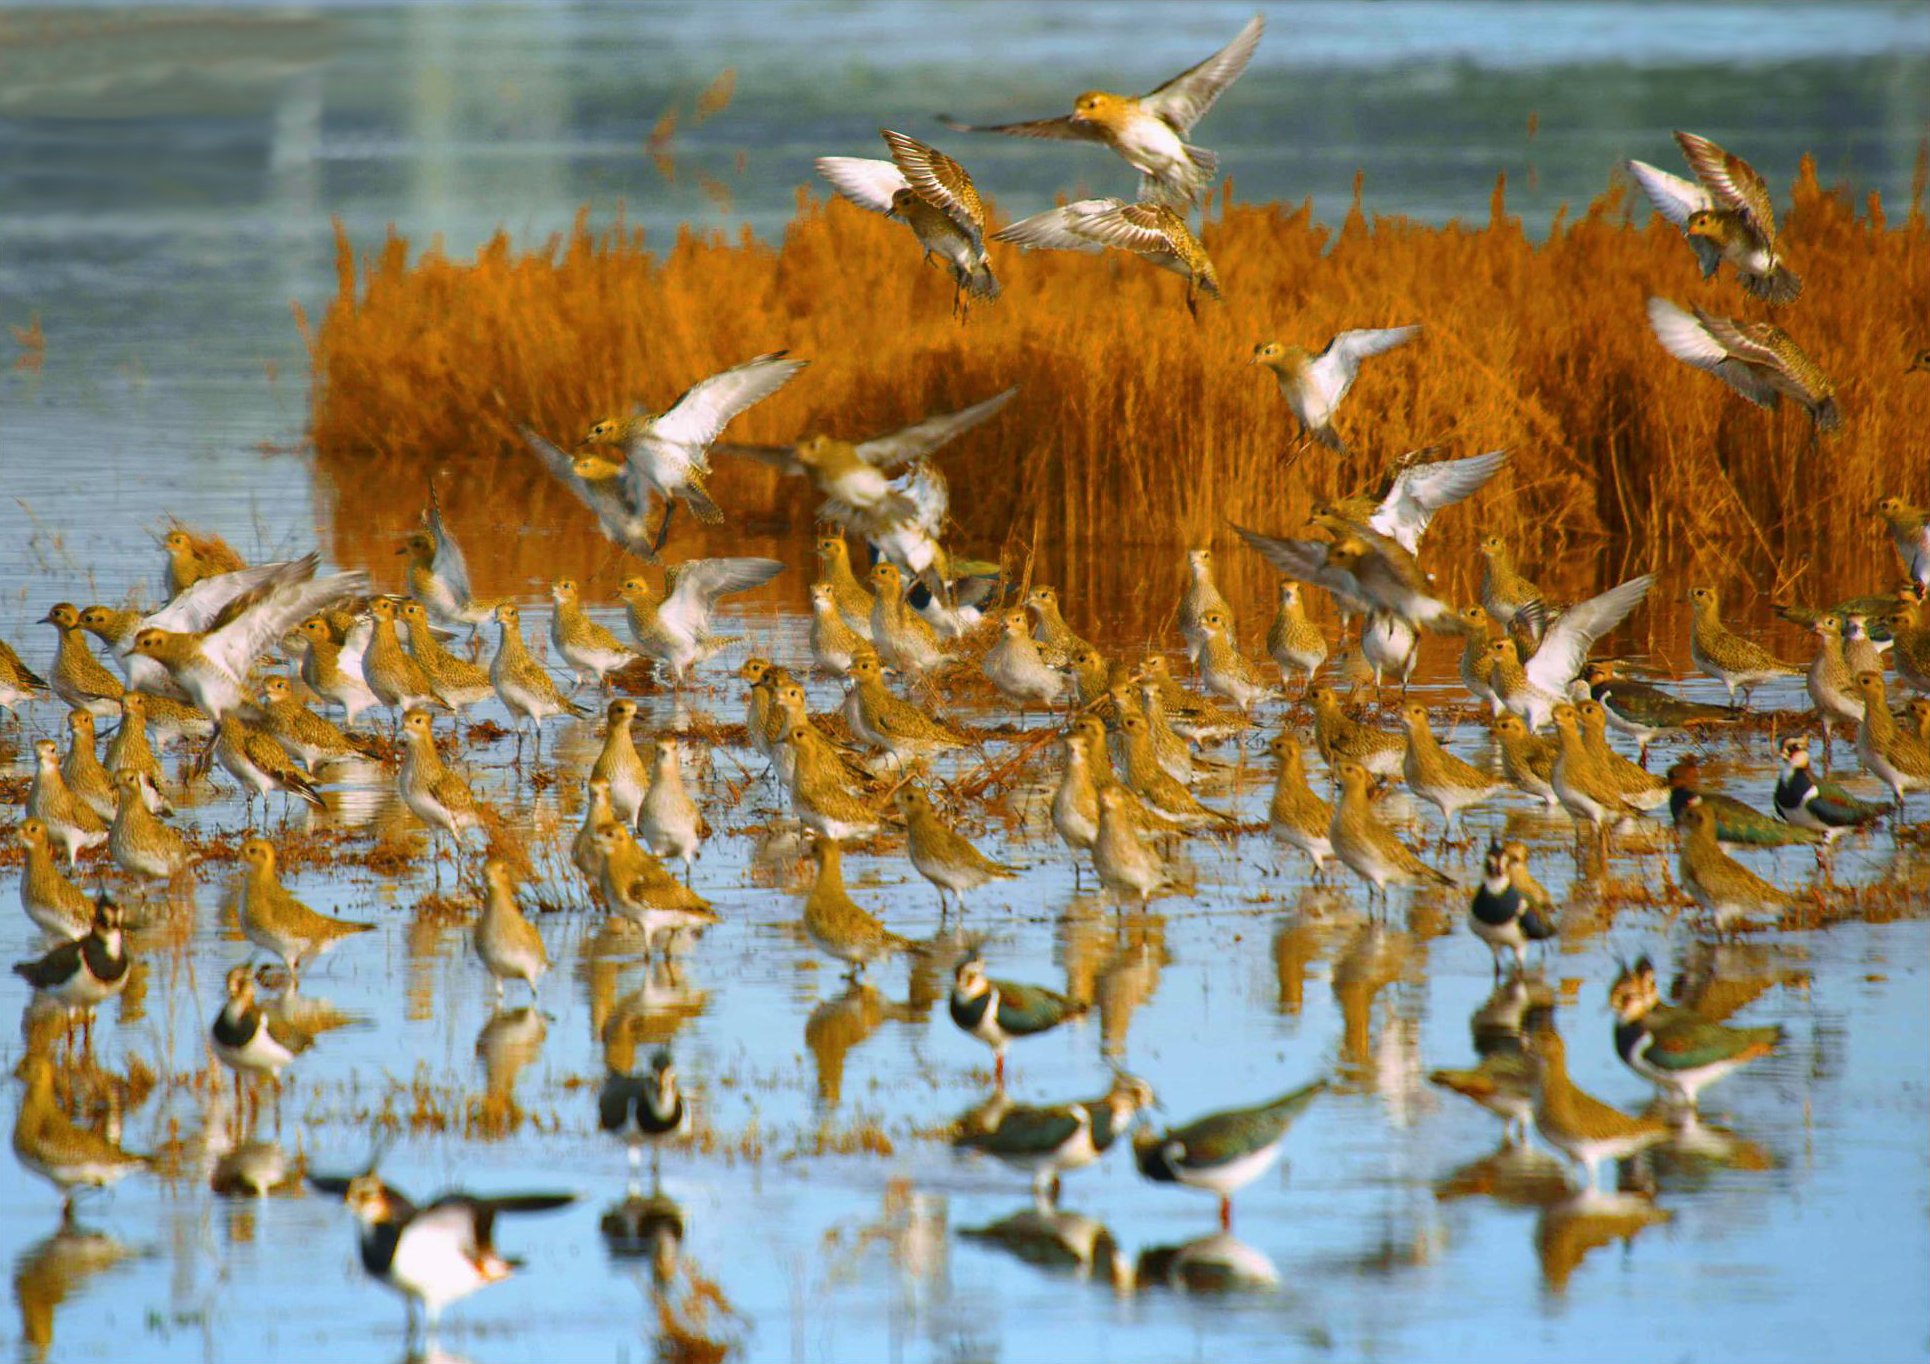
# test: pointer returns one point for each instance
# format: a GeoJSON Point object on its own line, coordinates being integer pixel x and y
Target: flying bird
{"type": "Point", "coordinates": [1149, 131]}
{"type": "Point", "coordinates": [1313, 383]}
{"type": "Point", "coordinates": [1756, 359]}
{"type": "Point", "coordinates": [932, 195]}
{"type": "Point", "coordinates": [1151, 231]}
{"type": "Point", "coordinates": [1727, 217]}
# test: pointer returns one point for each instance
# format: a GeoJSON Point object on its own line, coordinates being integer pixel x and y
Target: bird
{"type": "Point", "coordinates": [1403, 500]}
{"type": "Point", "coordinates": [316, 741]}
{"type": "Point", "coordinates": [932, 195]}
{"type": "Point", "coordinates": [998, 1011]}
{"type": "Point", "coordinates": [1724, 888]}
{"type": "Point", "coordinates": [636, 888]}
{"type": "Point", "coordinates": [1015, 665]}
{"type": "Point", "coordinates": [1294, 642]}
{"type": "Point", "coordinates": [884, 720]}
{"type": "Point", "coordinates": [668, 819]}
{"type": "Point", "coordinates": [1576, 1123]}
{"type": "Point", "coordinates": [619, 766]}
{"type": "Point", "coordinates": [903, 638]}
{"type": "Point", "coordinates": [1644, 712]}
{"type": "Point", "coordinates": [1831, 681]}
{"type": "Point", "coordinates": [833, 642]}
{"type": "Point", "coordinates": [80, 973]}
{"type": "Point", "coordinates": [60, 1151]}
{"type": "Point", "coordinates": [941, 854]}
{"type": "Point", "coordinates": [674, 629]}
{"type": "Point", "coordinates": [1510, 909]}
{"type": "Point", "coordinates": [438, 572]}
{"type": "Point", "coordinates": [585, 644]}
{"type": "Point", "coordinates": [1739, 664]}
{"type": "Point", "coordinates": [1224, 670]}
{"type": "Point", "coordinates": [209, 602]}
{"type": "Point", "coordinates": [195, 555]}
{"type": "Point", "coordinates": [1314, 382]}
{"type": "Point", "coordinates": [836, 925]}
{"type": "Point", "coordinates": [1582, 782]}
{"type": "Point", "coordinates": [1675, 1048]}
{"type": "Point", "coordinates": [1738, 825]}
{"type": "Point", "coordinates": [1909, 529]}
{"type": "Point", "coordinates": [820, 790]}
{"type": "Point", "coordinates": [332, 668]}
{"type": "Point", "coordinates": [68, 819]}
{"type": "Point", "coordinates": [1153, 784]}
{"type": "Point", "coordinates": [1149, 131]}
{"type": "Point", "coordinates": [640, 1108]}
{"type": "Point", "coordinates": [257, 760]}
{"type": "Point", "coordinates": [1757, 359]}
{"type": "Point", "coordinates": [1369, 848]}
{"type": "Point", "coordinates": [56, 905]}
{"type": "Point", "coordinates": [853, 598]}
{"type": "Point", "coordinates": [1638, 788]}
{"type": "Point", "coordinates": [212, 667]}
{"type": "Point", "coordinates": [1049, 1140]}
{"type": "Point", "coordinates": [399, 680]}
{"type": "Point", "coordinates": [1728, 217]}
{"type": "Point", "coordinates": [1125, 864]}
{"type": "Point", "coordinates": [138, 841]}
{"type": "Point", "coordinates": [81, 768]}
{"type": "Point", "coordinates": [1223, 1152]}
{"type": "Point", "coordinates": [77, 677]}
{"type": "Point", "coordinates": [436, 1253]}
{"type": "Point", "coordinates": [1202, 594]}
{"type": "Point", "coordinates": [1151, 231]}
{"type": "Point", "coordinates": [457, 682]}
{"type": "Point", "coordinates": [525, 686]}
{"type": "Point", "coordinates": [667, 453]}
{"type": "Point", "coordinates": [1822, 807]}
{"type": "Point", "coordinates": [247, 1039]}
{"type": "Point", "coordinates": [1532, 687]}
{"type": "Point", "coordinates": [275, 921]}
{"type": "Point", "coordinates": [18, 682]}
{"type": "Point", "coordinates": [1341, 738]}
{"type": "Point", "coordinates": [507, 943]}
{"type": "Point", "coordinates": [1296, 816]}
{"type": "Point", "coordinates": [1527, 760]}
{"type": "Point", "coordinates": [1437, 776]}
{"type": "Point", "coordinates": [1505, 593]}
{"type": "Point", "coordinates": [603, 486]}
{"type": "Point", "coordinates": [1898, 759]}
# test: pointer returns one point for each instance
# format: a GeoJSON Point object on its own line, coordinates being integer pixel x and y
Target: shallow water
{"type": "Point", "coordinates": [160, 222]}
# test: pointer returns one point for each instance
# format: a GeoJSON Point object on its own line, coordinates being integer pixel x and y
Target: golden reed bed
{"type": "Point", "coordinates": [1137, 430]}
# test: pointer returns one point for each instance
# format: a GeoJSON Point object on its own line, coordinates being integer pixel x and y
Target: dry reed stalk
{"type": "Point", "coordinates": [1136, 428]}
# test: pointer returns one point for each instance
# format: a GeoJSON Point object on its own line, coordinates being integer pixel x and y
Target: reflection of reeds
{"type": "Point", "coordinates": [1133, 423]}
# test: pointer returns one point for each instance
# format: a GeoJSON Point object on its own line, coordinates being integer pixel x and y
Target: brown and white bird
{"type": "Point", "coordinates": [1728, 217]}
{"type": "Point", "coordinates": [1149, 131]}
{"type": "Point", "coordinates": [1314, 382]}
{"type": "Point", "coordinates": [1756, 359]}
{"type": "Point", "coordinates": [932, 195]}
{"type": "Point", "coordinates": [1152, 232]}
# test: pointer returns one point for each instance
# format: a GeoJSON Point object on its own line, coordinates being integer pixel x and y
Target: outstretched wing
{"type": "Point", "coordinates": [1348, 349]}
{"type": "Point", "coordinates": [1305, 560]}
{"type": "Point", "coordinates": [1673, 197]}
{"type": "Point", "coordinates": [448, 564]}
{"type": "Point", "coordinates": [1565, 647]}
{"type": "Point", "coordinates": [706, 407]}
{"type": "Point", "coordinates": [939, 181]}
{"type": "Point", "coordinates": [865, 182]}
{"type": "Point", "coordinates": [1184, 100]}
{"type": "Point", "coordinates": [1062, 129]}
{"type": "Point", "coordinates": [702, 582]}
{"type": "Point", "coordinates": [201, 605]}
{"type": "Point", "coordinates": [235, 645]}
{"type": "Point", "coordinates": [560, 466]}
{"type": "Point", "coordinates": [1688, 338]}
{"type": "Point", "coordinates": [1060, 229]}
{"type": "Point", "coordinates": [1143, 228]}
{"type": "Point", "coordinates": [921, 438]}
{"type": "Point", "coordinates": [1732, 181]}
{"type": "Point", "coordinates": [1423, 489]}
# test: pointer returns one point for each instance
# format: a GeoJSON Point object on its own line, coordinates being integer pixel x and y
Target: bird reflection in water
{"type": "Point", "coordinates": [840, 1024]}
{"type": "Point", "coordinates": [1220, 1263]}
{"type": "Point", "coordinates": [1058, 1241]}
{"type": "Point", "coordinates": [509, 1041]}
{"type": "Point", "coordinates": [1568, 1230]}
{"type": "Point", "coordinates": [54, 1270]}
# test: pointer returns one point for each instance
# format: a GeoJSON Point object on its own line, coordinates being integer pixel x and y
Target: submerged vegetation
{"type": "Point", "coordinates": [1135, 424]}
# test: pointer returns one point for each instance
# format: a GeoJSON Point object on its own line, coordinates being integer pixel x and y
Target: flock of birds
{"type": "Point", "coordinates": [1124, 749]}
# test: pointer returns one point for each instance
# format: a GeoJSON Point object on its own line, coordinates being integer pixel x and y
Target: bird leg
{"type": "Point", "coordinates": [1226, 1214]}
{"type": "Point", "coordinates": [663, 527]}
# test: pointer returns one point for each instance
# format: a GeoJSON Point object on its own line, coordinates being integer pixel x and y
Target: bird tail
{"type": "Point", "coordinates": [979, 281]}
{"type": "Point", "coordinates": [1780, 285]}
{"type": "Point", "coordinates": [1471, 1083]}
{"type": "Point", "coordinates": [697, 498]}
{"type": "Point", "coordinates": [1536, 926]}
{"type": "Point", "coordinates": [1829, 418]}
{"type": "Point", "coordinates": [1330, 438]}
{"type": "Point", "coordinates": [299, 784]}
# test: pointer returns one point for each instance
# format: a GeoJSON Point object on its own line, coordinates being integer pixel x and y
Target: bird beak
{"type": "Point", "coordinates": [47, 619]}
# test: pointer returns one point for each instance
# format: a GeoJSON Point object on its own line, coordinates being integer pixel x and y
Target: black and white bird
{"type": "Point", "coordinates": [436, 1253]}
{"type": "Point", "coordinates": [643, 1108]}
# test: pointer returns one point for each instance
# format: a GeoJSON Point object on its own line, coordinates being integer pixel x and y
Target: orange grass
{"type": "Point", "coordinates": [1136, 430]}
